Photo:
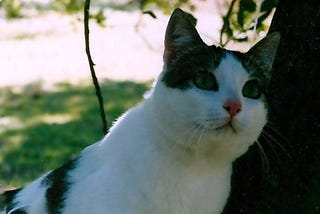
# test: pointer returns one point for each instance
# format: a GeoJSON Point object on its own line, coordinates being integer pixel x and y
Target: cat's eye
{"type": "Point", "coordinates": [252, 89]}
{"type": "Point", "coordinates": [205, 81]}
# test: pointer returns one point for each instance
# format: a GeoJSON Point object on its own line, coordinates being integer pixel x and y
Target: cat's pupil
{"type": "Point", "coordinates": [252, 89]}
{"type": "Point", "coordinates": [205, 81]}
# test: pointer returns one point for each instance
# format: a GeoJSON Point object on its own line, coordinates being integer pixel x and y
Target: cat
{"type": "Point", "coordinates": [172, 153]}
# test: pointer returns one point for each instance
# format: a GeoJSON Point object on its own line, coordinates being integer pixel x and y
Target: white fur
{"type": "Point", "coordinates": [157, 160]}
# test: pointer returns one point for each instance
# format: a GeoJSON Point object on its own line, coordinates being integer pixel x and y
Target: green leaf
{"type": "Point", "coordinates": [247, 5]}
{"type": "Point", "coordinates": [100, 18]}
{"type": "Point", "coordinates": [246, 8]}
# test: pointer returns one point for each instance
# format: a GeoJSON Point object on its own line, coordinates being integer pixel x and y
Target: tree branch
{"type": "Point", "coordinates": [91, 64]}
{"type": "Point", "coordinates": [225, 28]}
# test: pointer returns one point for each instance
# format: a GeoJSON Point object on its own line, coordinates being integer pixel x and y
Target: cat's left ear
{"type": "Point", "coordinates": [180, 34]}
{"type": "Point", "coordinates": [261, 56]}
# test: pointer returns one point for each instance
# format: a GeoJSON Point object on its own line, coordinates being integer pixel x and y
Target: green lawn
{"type": "Point", "coordinates": [40, 129]}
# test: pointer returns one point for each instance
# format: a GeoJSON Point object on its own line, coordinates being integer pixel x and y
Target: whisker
{"type": "Point", "coordinates": [271, 128]}
{"type": "Point", "coordinates": [188, 130]}
{"type": "Point", "coordinates": [268, 141]}
{"type": "Point", "coordinates": [203, 130]}
{"type": "Point", "coordinates": [269, 138]}
{"type": "Point", "coordinates": [196, 129]}
{"type": "Point", "coordinates": [264, 158]}
{"type": "Point", "coordinates": [191, 130]}
{"type": "Point", "coordinates": [189, 135]}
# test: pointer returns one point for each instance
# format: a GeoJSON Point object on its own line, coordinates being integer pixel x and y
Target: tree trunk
{"type": "Point", "coordinates": [292, 185]}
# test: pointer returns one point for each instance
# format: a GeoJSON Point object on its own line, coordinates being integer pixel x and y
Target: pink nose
{"type": "Point", "coordinates": [232, 108]}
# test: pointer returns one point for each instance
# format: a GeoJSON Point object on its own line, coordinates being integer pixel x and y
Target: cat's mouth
{"type": "Point", "coordinates": [227, 125]}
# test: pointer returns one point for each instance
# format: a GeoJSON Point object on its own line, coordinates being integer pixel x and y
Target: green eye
{"type": "Point", "coordinates": [252, 89]}
{"type": "Point", "coordinates": [205, 81]}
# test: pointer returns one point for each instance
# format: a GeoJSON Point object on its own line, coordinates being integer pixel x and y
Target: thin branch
{"type": "Point", "coordinates": [91, 64]}
{"type": "Point", "coordinates": [137, 28]}
{"type": "Point", "coordinates": [226, 24]}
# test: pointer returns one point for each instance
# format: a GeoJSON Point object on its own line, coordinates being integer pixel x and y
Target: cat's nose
{"type": "Point", "coordinates": [233, 108]}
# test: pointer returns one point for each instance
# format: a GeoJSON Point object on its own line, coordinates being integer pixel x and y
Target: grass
{"type": "Point", "coordinates": [40, 129]}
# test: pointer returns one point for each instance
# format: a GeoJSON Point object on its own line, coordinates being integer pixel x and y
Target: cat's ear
{"type": "Point", "coordinates": [180, 34]}
{"type": "Point", "coordinates": [261, 56]}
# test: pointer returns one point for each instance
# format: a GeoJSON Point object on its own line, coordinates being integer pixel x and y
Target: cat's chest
{"type": "Point", "coordinates": [151, 185]}
{"type": "Point", "coordinates": [192, 191]}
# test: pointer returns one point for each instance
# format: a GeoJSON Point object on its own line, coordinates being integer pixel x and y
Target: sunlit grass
{"type": "Point", "coordinates": [42, 129]}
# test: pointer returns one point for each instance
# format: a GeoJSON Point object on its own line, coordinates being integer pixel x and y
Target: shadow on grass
{"type": "Point", "coordinates": [40, 130]}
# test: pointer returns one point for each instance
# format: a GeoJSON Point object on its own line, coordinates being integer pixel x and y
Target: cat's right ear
{"type": "Point", "coordinates": [261, 56]}
{"type": "Point", "coordinates": [180, 34]}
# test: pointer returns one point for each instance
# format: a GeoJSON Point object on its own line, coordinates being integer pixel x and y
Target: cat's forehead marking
{"type": "Point", "coordinates": [217, 54]}
{"type": "Point", "coordinates": [230, 74]}
{"type": "Point", "coordinates": [230, 64]}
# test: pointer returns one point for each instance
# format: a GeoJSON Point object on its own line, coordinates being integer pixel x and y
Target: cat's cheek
{"type": "Point", "coordinates": [251, 121]}
{"type": "Point", "coordinates": [257, 123]}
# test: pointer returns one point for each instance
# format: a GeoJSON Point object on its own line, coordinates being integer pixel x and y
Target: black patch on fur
{"type": "Point", "coordinates": [9, 199]}
{"type": "Point", "coordinates": [189, 62]}
{"type": "Point", "coordinates": [252, 70]}
{"type": "Point", "coordinates": [58, 187]}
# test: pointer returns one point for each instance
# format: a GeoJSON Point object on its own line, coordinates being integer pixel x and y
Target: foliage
{"type": "Point", "coordinates": [165, 5]}
{"type": "Point", "coordinates": [74, 6]}
{"type": "Point", "coordinates": [12, 8]}
{"type": "Point", "coordinates": [44, 129]}
{"type": "Point", "coordinates": [245, 17]}
{"type": "Point", "coordinates": [99, 17]}
{"type": "Point", "coordinates": [68, 6]}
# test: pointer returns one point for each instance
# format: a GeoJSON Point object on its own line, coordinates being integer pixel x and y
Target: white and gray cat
{"type": "Point", "coordinates": [173, 153]}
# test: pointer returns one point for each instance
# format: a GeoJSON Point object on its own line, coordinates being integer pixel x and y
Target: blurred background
{"type": "Point", "coordinates": [48, 108]}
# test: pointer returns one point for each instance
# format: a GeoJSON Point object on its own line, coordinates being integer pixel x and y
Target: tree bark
{"type": "Point", "coordinates": [292, 184]}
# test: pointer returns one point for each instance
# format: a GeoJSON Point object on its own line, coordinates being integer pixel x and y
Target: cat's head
{"type": "Point", "coordinates": [208, 97]}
